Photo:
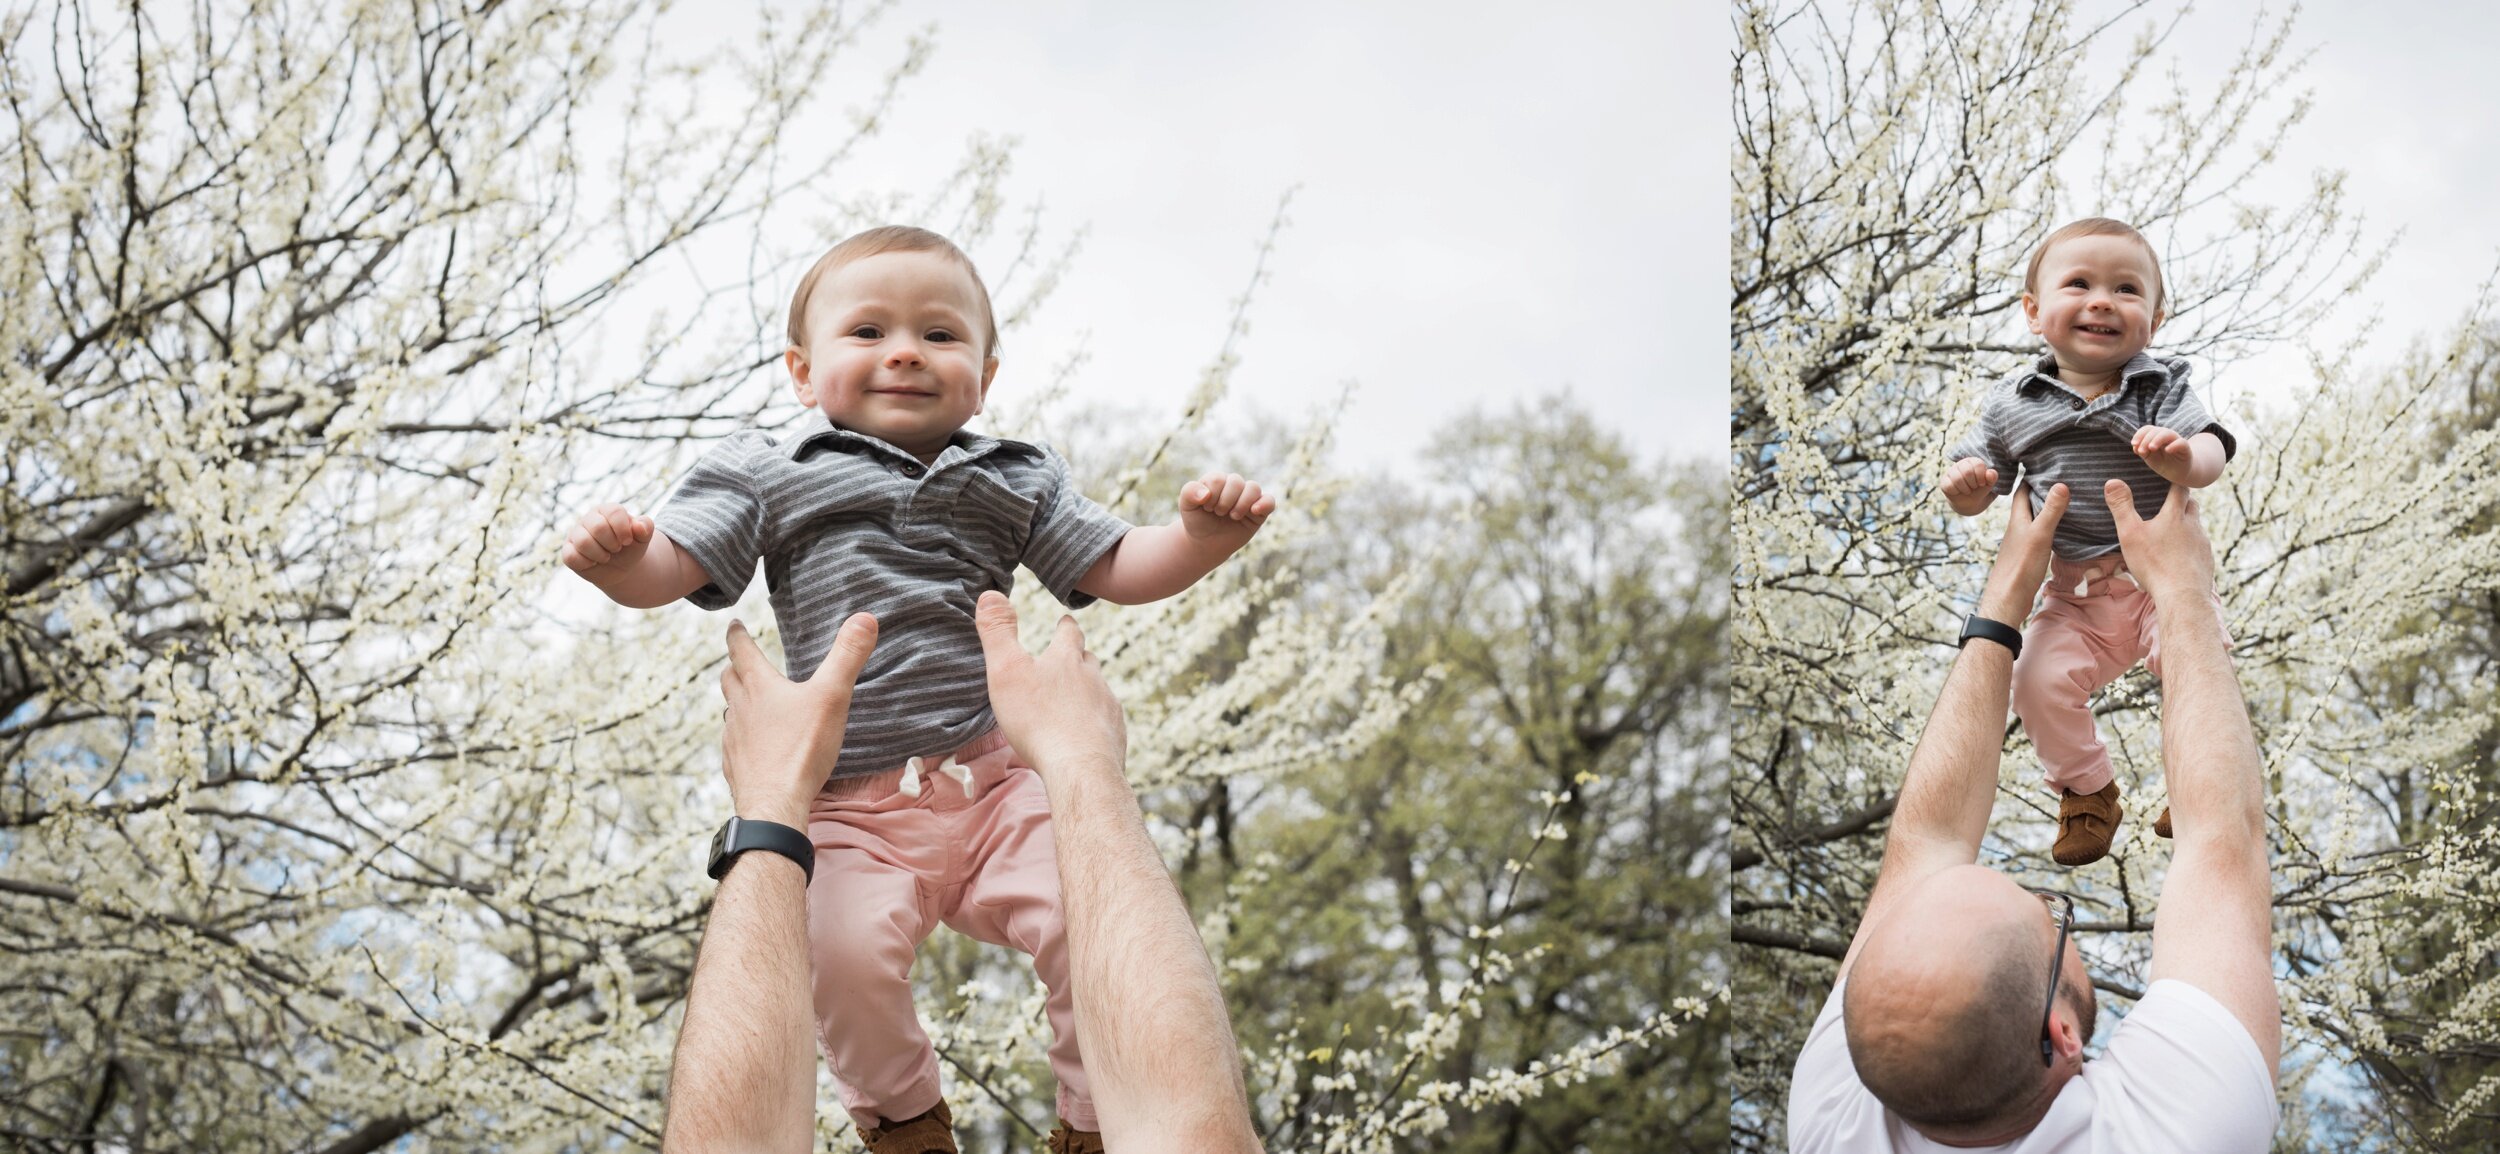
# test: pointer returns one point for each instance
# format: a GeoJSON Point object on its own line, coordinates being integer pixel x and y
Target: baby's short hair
{"type": "Point", "coordinates": [884, 239]}
{"type": "Point", "coordinates": [2096, 226]}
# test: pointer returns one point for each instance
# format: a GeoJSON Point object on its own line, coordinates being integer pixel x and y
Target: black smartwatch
{"type": "Point", "coordinates": [743, 834]}
{"type": "Point", "coordinates": [1997, 631]}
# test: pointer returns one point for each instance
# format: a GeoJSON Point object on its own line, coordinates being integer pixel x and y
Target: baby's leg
{"type": "Point", "coordinates": [1011, 898]}
{"type": "Point", "coordinates": [866, 918]}
{"type": "Point", "coordinates": [2074, 646]}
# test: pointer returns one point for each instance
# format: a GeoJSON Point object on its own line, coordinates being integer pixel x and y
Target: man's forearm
{"type": "Point", "coordinates": [1153, 562]}
{"type": "Point", "coordinates": [744, 1077]}
{"type": "Point", "coordinates": [1150, 1017]}
{"type": "Point", "coordinates": [2216, 782]}
{"type": "Point", "coordinates": [1952, 781]}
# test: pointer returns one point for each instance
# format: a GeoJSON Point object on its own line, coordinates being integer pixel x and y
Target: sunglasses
{"type": "Point", "coordinates": [2062, 914]}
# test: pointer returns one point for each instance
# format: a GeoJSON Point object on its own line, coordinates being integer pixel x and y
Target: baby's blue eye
{"type": "Point", "coordinates": [940, 335]}
{"type": "Point", "coordinates": [867, 332]}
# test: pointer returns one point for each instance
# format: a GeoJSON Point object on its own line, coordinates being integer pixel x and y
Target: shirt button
{"type": "Point", "coordinates": [911, 470]}
{"type": "Point", "coordinates": [2076, 402]}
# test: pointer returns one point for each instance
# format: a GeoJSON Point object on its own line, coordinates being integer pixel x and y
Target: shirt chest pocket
{"type": "Point", "coordinates": [991, 522]}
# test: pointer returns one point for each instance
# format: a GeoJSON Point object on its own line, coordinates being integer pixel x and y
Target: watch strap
{"type": "Point", "coordinates": [743, 834]}
{"type": "Point", "coordinates": [1989, 630]}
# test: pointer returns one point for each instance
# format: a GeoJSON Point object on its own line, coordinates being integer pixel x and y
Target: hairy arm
{"type": "Point", "coordinates": [1158, 1042]}
{"type": "Point", "coordinates": [744, 1077]}
{"type": "Point", "coordinates": [1952, 780]}
{"type": "Point", "coordinates": [2215, 929]}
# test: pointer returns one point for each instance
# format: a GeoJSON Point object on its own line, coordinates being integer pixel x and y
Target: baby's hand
{"type": "Point", "coordinates": [607, 535]}
{"type": "Point", "coordinates": [1222, 504]}
{"type": "Point", "coordinates": [1969, 485]}
{"type": "Point", "coordinates": [2165, 452]}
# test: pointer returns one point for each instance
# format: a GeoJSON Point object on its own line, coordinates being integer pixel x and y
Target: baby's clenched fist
{"type": "Point", "coordinates": [1968, 479]}
{"type": "Point", "coordinates": [1224, 503]}
{"type": "Point", "coordinates": [606, 535]}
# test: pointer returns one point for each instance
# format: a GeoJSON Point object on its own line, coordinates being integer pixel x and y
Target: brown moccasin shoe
{"type": "Point", "coordinates": [2161, 825]}
{"type": "Point", "coordinates": [2086, 824]}
{"type": "Point", "coordinates": [930, 1133]}
{"type": "Point", "coordinates": [1066, 1139]}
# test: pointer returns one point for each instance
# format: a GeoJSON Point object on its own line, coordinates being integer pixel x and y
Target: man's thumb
{"type": "Point", "coordinates": [994, 618]}
{"type": "Point", "coordinates": [850, 651]}
{"type": "Point", "coordinates": [2121, 502]}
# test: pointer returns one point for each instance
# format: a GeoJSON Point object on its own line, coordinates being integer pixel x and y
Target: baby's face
{"type": "Point", "coordinates": [2093, 302]}
{"type": "Point", "coordinates": [894, 350]}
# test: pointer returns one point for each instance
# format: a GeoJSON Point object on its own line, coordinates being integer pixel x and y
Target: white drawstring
{"type": "Point", "coordinates": [911, 775]}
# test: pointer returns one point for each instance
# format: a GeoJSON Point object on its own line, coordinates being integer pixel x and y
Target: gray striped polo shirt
{"type": "Point", "coordinates": [846, 523]}
{"type": "Point", "coordinates": [2039, 423]}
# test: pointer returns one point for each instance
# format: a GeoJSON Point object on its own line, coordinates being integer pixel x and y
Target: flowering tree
{"type": "Point", "coordinates": [334, 818]}
{"type": "Point", "coordinates": [1893, 168]}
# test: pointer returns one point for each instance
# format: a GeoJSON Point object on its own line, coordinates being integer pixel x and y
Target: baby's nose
{"type": "Point", "coordinates": [904, 354]}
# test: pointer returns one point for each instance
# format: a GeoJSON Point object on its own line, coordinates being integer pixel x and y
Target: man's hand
{"type": "Point", "coordinates": [2165, 452]}
{"type": "Point", "coordinates": [1969, 485]}
{"type": "Point", "coordinates": [780, 738]}
{"type": "Point", "coordinates": [2169, 555]}
{"type": "Point", "coordinates": [606, 535]}
{"type": "Point", "coordinates": [1223, 505]}
{"type": "Point", "coordinates": [1055, 709]}
{"type": "Point", "coordinates": [2023, 557]}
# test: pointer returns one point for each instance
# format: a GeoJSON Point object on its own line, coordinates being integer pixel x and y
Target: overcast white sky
{"type": "Point", "coordinates": [2406, 102]}
{"type": "Point", "coordinates": [1495, 201]}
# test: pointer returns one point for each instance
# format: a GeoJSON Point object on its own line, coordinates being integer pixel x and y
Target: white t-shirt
{"type": "Point", "coordinates": [2180, 1076]}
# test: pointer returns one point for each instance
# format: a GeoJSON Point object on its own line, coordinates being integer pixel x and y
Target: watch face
{"type": "Point", "coordinates": [720, 841]}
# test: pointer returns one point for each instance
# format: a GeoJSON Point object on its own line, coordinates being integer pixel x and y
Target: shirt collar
{"type": "Point", "coordinates": [813, 426]}
{"type": "Point", "coordinates": [2043, 373]}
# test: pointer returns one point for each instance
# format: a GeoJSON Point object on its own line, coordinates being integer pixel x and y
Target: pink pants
{"type": "Point", "coordinates": [973, 849]}
{"type": "Point", "coordinates": [2077, 643]}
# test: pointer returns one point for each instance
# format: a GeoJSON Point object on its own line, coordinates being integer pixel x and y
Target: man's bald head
{"type": "Point", "coordinates": [1943, 1002]}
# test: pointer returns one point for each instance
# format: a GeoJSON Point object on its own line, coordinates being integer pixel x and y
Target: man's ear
{"type": "Point", "coordinates": [796, 361]}
{"type": "Point", "coordinates": [2031, 311]}
{"type": "Point", "coordinates": [989, 370]}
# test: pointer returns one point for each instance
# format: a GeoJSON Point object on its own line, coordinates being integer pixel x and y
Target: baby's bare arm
{"type": "Point", "coordinates": [629, 559]}
{"type": "Point", "coordinates": [1970, 486]}
{"type": "Point", "coordinates": [1219, 515]}
{"type": "Point", "coordinates": [2191, 461]}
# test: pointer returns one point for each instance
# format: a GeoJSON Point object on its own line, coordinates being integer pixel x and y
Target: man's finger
{"type": "Point", "coordinates": [2175, 502]}
{"type": "Point", "coordinates": [2121, 502]}
{"type": "Point", "coordinates": [994, 618]}
{"type": "Point", "coordinates": [2053, 508]}
{"type": "Point", "coordinates": [849, 654]}
{"type": "Point", "coordinates": [1069, 635]}
{"type": "Point", "coordinates": [745, 657]}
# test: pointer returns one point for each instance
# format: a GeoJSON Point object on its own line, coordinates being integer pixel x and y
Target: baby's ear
{"type": "Point", "coordinates": [796, 361]}
{"type": "Point", "coordinates": [2158, 317]}
{"type": "Point", "coordinates": [989, 371]}
{"type": "Point", "coordinates": [2031, 311]}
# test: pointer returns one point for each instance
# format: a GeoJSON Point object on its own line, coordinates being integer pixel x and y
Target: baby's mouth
{"type": "Point", "coordinates": [2097, 330]}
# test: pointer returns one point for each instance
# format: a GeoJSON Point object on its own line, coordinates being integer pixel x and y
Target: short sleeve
{"type": "Point", "coordinates": [1070, 533]}
{"type": "Point", "coordinates": [1827, 1105]}
{"type": "Point", "coordinates": [716, 514]}
{"type": "Point", "coordinates": [1986, 441]}
{"type": "Point", "coordinates": [2181, 412]}
{"type": "Point", "coordinates": [2182, 1074]}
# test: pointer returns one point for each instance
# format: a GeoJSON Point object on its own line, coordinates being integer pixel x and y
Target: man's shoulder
{"type": "Point", "coordinates": [2180, 1072]}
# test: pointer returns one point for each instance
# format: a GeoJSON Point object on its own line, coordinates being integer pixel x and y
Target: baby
{"type": "Point", "coordinates": [880, 502]}
{"type": "Point", "coordinates": [2096, 407]}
